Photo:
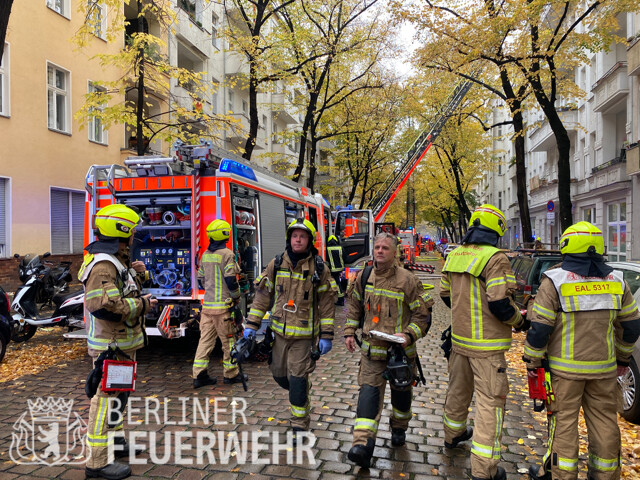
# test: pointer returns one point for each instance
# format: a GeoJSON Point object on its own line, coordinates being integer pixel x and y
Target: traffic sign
{"type": "Point", "coordinates": [551, 218]}
{"type": "Point", "coordinates": [550, 206]}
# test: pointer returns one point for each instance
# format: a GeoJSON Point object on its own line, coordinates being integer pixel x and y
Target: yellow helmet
{"type": "Point", "coordinates": [302, 224]}
{"type": "Point", "coordinates": [218, 230]}
{"type": "Point", "coordinates": [116, 221]}
{"type": "Point", "coordinates": [490, 217]}
{"type": "Point", "coordinates": [580, 237]}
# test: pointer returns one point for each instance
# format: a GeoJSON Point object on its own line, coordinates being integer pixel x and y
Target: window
{"type": "Point", "coordinates": [96, 18]}
{"type": "Point", "coordinates": [499, 200]}
{"type": "Point", "coordinates": [4, 217]}
{"type": "Point", "coordinates": [58, 93]}
{"type": "Point", "coordinates": [60, 6]}
{"type": "Point", "coordinates": [230, 99]}
{"type": "Point", "coordinates": [96, 129]}
{"type": "Point", "coordinates": [67, 221]}
{"type": "Point", "coordinates": [214, 30]}
{"type": "Point", "coordinates": [4, 82]}
{"type": "Point", "coordinates": [264, 122]}
{"type": "Point", "coordinates": [617, 231]}
{"type": "Point", "coordinates": [214, 96]}
{"type": "Point", "coordinates": [245, 107]}
{"type": "Point", "coordinates": [589, 215]}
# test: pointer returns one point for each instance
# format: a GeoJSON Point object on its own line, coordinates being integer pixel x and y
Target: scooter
{"type": "Point", "coordinates": [54, 278]}
{"type": "Point", "coordinates": [5, 323]}
{"type": "Point", "coordinates": [69, 307]}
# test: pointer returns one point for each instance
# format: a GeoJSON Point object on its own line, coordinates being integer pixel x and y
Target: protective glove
{"type": "Point", "coordinates": [524, 326]}
{"type": "Point", "coordinates": [249, 333]}
{"type": "Point", "coordinates": [325, 346]}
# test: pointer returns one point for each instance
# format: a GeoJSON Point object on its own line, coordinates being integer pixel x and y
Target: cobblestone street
{"type": "Point", "coordinates": [164, 373]}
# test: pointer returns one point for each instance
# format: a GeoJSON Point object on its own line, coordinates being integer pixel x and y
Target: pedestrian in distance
{"type": "Point", "coordinates": [478, 283]}
{"type": "Point", "coordinates": [336, 265]}
{"type": "Point", "coordinates": [219, 273]}
{"type": "Point", "coordinates": [115, 310]}
{"type": "Point", "coordinates": [300, 292]}
{"type": "Point", "coordinates": [388, 299]}
{"type": "Point", "coordinates": [585, 321]}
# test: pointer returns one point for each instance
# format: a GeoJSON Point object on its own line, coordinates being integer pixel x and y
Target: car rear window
{"type": "Point", "coordinates": [542, 266]}
{"type": "Point", "coordinates": [633, 279]}
{"type": "Point", "coordinates": [522, 270]}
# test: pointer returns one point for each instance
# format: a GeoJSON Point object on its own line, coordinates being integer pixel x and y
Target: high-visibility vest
{"type": "Point", "coordinates": [334, 254]}
{"type": "Point", "coordinates": [469, 259]}
{"type": "Point", "coordinates": [578, 293]}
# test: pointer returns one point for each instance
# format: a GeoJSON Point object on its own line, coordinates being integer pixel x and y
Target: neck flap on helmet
{"type": "Point", "coordinates": [586, 264]}
{"type": "Point", "coordinates": [481, 235]}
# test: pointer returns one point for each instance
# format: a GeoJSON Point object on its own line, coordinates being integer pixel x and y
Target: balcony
{"type": "Point", "coordinates": [238, 135]}
{"type": "Point", "coordinates": [612, 89]}
{"type": "Point", "coordinates": [542, 138]}
{"type": "Point", "coordinates": [633, 57]}
{"type": "Point", "coordinates": [283, 108]}
{"type": "Point", "coordinates": [609, 173]}
{"type": "Point", "coordinates": [633, 160]}
{"type": "Point", "coordinates": [236, 64]}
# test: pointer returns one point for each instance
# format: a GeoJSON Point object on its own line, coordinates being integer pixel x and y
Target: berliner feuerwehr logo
{"type": "Point", "coordinates": [50, 433]}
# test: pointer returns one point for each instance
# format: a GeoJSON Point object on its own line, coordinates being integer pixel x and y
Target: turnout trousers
{"type": "Point", "coordinates": [598, 399]}
{"type": "Point", "coordinates": [291, 365]}
{"type": "Point", "coordinates": [106, 414]}
{"type": "Point", "coordinates": [212, 327]}
{"type": "Point", "coordinates": [488, 377]}
{"type": "Point", "coordinates": [371, 401]}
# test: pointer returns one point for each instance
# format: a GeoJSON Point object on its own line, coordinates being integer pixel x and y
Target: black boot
{"type": "Point", "coordinates": [468, 433]}
{"type": "Point", "coordinates": [500, 475]}
{"type": "Point", "coordinates": [534, 470]}
{"type": "Point", "coordinates": [203, 379]}
{"type": "Point", "coordinates": [236, 379]}
{"type": "Point", "coordinates": [361, 454]}
{"type": "Point", "coordinates": [398, 437]}
{"type": "Point", "coordinates": [113, 471]}
{"type": "Point", "coordinates": [123, 449]}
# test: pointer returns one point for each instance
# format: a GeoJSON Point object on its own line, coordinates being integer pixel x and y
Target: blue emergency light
{"type": "Point", "coordinates": [237, 168]}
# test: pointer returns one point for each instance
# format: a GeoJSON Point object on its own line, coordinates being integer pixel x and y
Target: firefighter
{"type": "Point", "coordinates": [538, 244]}
{"type": "Point", "coordinates": [115, 312]}
{"type": "Point", "coordinates": [218, 271]}
{"type": "Point", "coordinates": [393, 301]}
{"type": "Point", "coordinates": [477, 283]}
{"type": "Point", "coordinates": [586, 321]}
{"type": "Point", "coordinates": [303, 295]}
{"type": "Point", "coordinates": [336, 265]}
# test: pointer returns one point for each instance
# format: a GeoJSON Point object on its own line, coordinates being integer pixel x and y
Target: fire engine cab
{"type": "Point", "coordinates": [178, 196]}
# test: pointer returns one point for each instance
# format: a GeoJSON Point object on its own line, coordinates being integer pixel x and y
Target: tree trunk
{"type": "Point", "coordinates": [140, 144]}
{"type": "Point", "coordinates": [5, 11]}
{"type": "Point", "coordinates": [312, 156]}
{"type": "Point", "coordinates": [253, 111]}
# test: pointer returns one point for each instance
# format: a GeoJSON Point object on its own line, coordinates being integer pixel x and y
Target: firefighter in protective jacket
{"type": "Point", "coordinates": [336, 265]}
{"type": "Point", "coordinates": [115, 312]}
{"type": "Point", "coordinates": [393, 301]}
{"type": "Point", "coordinates": [477, 283]}
{"type": "Point", "coordinates": [218, 271]}
{"type": "Point", "coordinates": [586, 321]}
{"type": "Point", "coordinates": [303, 295]}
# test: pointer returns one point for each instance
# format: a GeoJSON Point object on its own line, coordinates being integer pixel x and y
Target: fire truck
{"type": "Point", "coordinates": [178, 196]}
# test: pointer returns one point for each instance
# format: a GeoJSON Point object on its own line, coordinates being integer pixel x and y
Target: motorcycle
{"type": "Point", "coordinates": [26, 318]}
{"type": "Point", "coordinates": [55, 278]}
{"type": "Point", "coordinates": [5, 323]}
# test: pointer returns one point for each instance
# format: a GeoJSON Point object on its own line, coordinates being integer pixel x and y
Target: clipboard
{"type": "Point", "coordinates": [119, 376]}
{"type": "Point", "coordinates": [386, 336]}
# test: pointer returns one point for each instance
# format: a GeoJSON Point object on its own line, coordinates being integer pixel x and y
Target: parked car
{"type": "Point", "coordinates": [5, 323]}
{"type": "Point", "coordinates": [630, 382]}
{"type": "Point", "coordinates": [450, 247]}
{"type": "Point", "coordinates": [528, 270]}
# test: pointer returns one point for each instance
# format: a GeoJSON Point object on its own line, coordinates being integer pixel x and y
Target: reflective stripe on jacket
{"type": "Point", "coordinates": [215, 267]}
{"type": "Point", "coordinates": [473, 276]}
{"type": "Point", "coordinates": [112, 314]}
{"type": "Point", "coordinates": [291, 290]}
{"type": "Point", "coordinates": [583, 340]}
{"type": "Point", "coordinates": [394, 301]}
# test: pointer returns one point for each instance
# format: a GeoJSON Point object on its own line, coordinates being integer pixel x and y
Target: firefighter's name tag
{"type": "Point", "coordinates": [591, 288]}
{"type": "Point", "coordinates": [119, 376]}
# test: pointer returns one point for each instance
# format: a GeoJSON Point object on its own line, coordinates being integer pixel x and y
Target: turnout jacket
{"type": "Point", "coordinates": [478, 283]}
{"type": "Point", "coordinates": [219, 271]}
{"type": "Point", "coordinates": [113, 305]}
{"type": "Point", "coordinates": [290, 291]}
{"type": "Point", "coordinates": [393, 301]}
{"type": "Point", "coordinates": [585, 325]}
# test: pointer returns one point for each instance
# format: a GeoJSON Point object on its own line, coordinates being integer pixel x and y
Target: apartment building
{"type": "Point", "coordinates": [43, 80]}
{"type": "Point", "coordinates": [604, 128]}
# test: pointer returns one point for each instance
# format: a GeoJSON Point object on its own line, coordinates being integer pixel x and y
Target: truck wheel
{"type": "Point", "coordinates": [630, 384]}
{"type": "Point", "coordinates": [23, 333]}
